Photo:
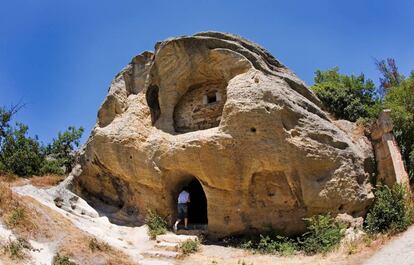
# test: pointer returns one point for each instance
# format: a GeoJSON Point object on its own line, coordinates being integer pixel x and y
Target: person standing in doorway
{"type": "Point", "coordinates": [182, 208]}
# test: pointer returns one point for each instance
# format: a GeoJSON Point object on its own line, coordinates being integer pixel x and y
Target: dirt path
{"type": "Point", "coordinates": [399, 251]}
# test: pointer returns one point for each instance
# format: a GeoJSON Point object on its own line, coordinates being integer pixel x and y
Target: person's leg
{"type": "Point", "coordinates": [185, 216]}
{"type": "Point", "coordinates": [176, 224]}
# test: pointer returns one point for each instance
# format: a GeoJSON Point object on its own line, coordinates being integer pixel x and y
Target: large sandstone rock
{"type": "Point", "coordinates": [221, 109]}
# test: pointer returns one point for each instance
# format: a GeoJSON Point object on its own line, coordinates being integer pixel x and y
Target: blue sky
{"type": "Point", "coordinates": [59, 57]}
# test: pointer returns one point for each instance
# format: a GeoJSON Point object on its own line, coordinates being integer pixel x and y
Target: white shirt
{"type": "Point", "coordinates": [183, 197]}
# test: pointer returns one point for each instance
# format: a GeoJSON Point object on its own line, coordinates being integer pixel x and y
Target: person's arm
{"type": "Point", "coordinates": [188, 198]}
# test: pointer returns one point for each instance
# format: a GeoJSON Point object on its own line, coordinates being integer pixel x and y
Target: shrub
{"type": "Point", "coordinates": [272, 244]}
{"type": "Point", "coordinates": [324, 233]}
{"type": "Point", "coordinates": [96, 245]}
{"type": "Point", "coordinates": [16, 216]}
{"type": "Point", "coordinates": [15, 248]}
{"type": "Point", "coordinates": [157, 225]}
{"type": "Point", "coordinates": [62, 260]}
{"type": "Point", "coordinates": [390, 211]}
{"type": "Point", "coordinates": [280, 245]}
{"type": "Point", "coordinates": [189, 246]}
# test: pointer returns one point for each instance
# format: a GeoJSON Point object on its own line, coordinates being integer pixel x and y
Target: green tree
{"type": "Point", "coordinates": [390, 76]}
{"type": "Point", "coordinates": [61, 151]}
{"type": "Point", "coordinates": [26, 156]}
{"type": "Point", "coordinates": [20, 154]}
{"type": "Point", "coordinates": [347, 97]}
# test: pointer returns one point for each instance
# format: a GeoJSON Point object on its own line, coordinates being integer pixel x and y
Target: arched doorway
{"type": "Point", "coordinates": [197, 208]}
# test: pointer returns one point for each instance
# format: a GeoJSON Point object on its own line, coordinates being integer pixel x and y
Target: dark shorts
{"type": "Point", "coordinates": [182, 210]}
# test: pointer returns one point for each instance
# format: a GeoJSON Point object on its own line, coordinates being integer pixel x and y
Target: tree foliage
{"type": "Point", "coordinates": [20, 154]}
{"type": "Point", "coordinates": [23, 155]}
{"type": "Point", "coordinates": [62, 148]}
{"type": "Point", "coordinates": [347, 97]}
{"type": "Point", "coordinates": [390, 75]}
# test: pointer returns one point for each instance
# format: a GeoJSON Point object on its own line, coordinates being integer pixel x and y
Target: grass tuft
{"type": "Point", "coordinates": [96, 245]}
{"type": "Point", "coordinates": [189, 246]}
{"type": "Point", "coordinates": [62, 260]}
{"type": "Point", "coordinates": [157, 225]}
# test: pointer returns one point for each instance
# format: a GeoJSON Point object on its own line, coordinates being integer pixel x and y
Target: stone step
{"type": "Point", "coordinates": [163, 254]}
{"type": "Point", "coordinates": [154, 262]}
{"type": "Point", "coordinates": [167, 246]}
{"type": "Point", "coordinates": [172, 238]}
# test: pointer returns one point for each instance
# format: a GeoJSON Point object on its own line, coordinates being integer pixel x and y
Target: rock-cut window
{"type": "Point", "coordinates": [211, 97]}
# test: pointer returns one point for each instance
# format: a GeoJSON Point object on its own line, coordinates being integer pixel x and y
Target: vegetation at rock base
{"type": "Point", "coordinates": [189, 246]}
{"type": "Point", "coordinates": [323, 234]}
{"type": "Point", "coordinates": [26, 156]}
{"type": "Point", "coordinates": [273, 244]}
{"type": "Point", "coordinates": [157, 225]}
{"type": "Point", "coordinates": [391, 211]}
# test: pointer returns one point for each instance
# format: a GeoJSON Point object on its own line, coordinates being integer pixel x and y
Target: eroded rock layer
{"type": "Point", "coordinates": [220, 109]}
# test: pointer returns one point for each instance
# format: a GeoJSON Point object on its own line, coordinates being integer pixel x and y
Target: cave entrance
{"type": "Point", "coordinates": [197, 207]}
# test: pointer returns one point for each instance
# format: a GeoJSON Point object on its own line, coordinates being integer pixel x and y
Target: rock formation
{"type": "Point", "coordinates": [218, 110]}
{"type": "Point", "coordinates": [390, 164]}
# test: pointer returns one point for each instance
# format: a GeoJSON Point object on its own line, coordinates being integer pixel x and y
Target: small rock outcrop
{"type": "Point", "coordinates": [220, 114]}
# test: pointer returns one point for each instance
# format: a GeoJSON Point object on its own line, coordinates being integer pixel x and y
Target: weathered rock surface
{"type": "Point", "coordinates": [221, 109]}
{"type": "Point", "coordinates": [390, 164]}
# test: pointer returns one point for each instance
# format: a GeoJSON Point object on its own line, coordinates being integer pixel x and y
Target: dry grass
{"type": "Point", "coordinates": [46, 181]}
{"type": "Point", "coordinates": [14, 213]}
{"type": "Point", "coordinates": [97, 245]}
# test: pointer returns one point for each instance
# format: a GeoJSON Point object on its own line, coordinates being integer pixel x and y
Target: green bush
{"type": "Point", "coordinates": [279, 245]}
{"type": "Point", "coordinates": [189, 246]}
{"type": "Point", "coordinates": [324, 234]}
{"type": "Point", "coordinates": [390, 211]}
{"type": "Point", "coordinates": [62, 260]}
{"type": "Point", "coordinates": [52, 166]}
{"type": "Point", "coordinates": [157, 225]}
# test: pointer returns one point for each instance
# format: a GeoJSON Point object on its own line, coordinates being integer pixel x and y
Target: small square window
{"type": "Point", "coordinates": [211, 98]}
